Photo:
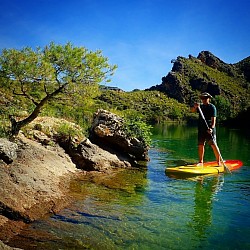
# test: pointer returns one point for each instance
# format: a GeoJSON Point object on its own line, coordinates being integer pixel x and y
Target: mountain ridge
{"type": "Point", "coordinates": [207, 73]}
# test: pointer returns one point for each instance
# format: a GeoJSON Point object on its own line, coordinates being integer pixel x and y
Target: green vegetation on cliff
{"type": "Point", "coordinates": [233, 90]}
{"type": "Point", "coordinates": [150, 106]}
{"type": "Point", "coordinates": [227, 83]}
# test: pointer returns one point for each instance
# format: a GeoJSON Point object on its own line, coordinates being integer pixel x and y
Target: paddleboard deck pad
{"type": "Point", "coordinates": [207, 168]}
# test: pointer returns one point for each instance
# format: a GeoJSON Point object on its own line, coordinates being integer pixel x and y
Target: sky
{"type": "Point", "coordinates": [140, 36]}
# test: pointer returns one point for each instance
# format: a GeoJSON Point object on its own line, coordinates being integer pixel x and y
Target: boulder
{"type": "Point", "coordinates": [8, 151]}
{"type": "Point", "coordinates": [5, 247]}
{"type": "Point", "coordinates": [108, 132]}
{"type": "Point", "coordinates": [91, 157]}
{"type": "Point", "coordinates": [41, 137]}
{"type": "Point", "coordinates": [35, 184]}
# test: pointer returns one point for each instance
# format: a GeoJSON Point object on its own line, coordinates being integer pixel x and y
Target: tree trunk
{"type": "Point", "coordinates": [17, 125]}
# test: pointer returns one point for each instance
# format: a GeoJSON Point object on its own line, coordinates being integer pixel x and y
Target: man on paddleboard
{"type": "Point", "coordinates": [206, 130]}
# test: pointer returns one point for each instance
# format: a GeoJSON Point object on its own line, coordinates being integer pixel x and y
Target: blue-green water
{"type": "Point", "coordinates": [148, 210]}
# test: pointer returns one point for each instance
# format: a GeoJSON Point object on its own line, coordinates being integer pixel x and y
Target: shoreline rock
{"type": "Point", "coordinates": [35, 177]}
{"type": "Point", "coordinates": [108, 132]}
{"type": "Point", "coordinates": [34, 184]}
{"type": "Point", "coordinates": [90, 157]}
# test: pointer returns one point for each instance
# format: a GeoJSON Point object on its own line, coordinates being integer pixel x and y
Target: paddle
{"type": "Point", "coordinates": [215, 144]}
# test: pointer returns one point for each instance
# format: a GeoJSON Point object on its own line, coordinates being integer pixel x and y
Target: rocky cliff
{"type": "Point", "coordinates": [207, 73]}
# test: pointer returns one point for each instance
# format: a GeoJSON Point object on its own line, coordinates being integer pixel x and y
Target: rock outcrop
{"type": "Point", "coordinates": [33, 185]}
{"type": "Point", "coordinates": [8, 150]}
{"type": "Point", "coordinates": [214, 62]}
{"type": "Point", "coordinates": [108, 132]}
{"type": "Point", "coordinates": [90, 157]}
{"type": "Point", "coordinates": [206, 73]}
{"type": "Point", "coordinates": [35, 176]}
{"type": "Point", "coordinates": [182, 84]}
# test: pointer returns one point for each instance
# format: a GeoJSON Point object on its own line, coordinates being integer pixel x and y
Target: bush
{"type": "Point", "coordinates": [137, 128]}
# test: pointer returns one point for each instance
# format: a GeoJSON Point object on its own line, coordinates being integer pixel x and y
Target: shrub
{"type": "Point", "coordinates": [137, 128]}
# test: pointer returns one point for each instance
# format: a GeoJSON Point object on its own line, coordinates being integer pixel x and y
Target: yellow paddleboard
{"type": "Point", "coordinates": [207, 168]}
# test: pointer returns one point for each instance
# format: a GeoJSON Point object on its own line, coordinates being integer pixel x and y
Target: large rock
{"type": "Point", "coordinates": [8, 151]}
{"type": "Point", "coordinates": [108, 132]}
{"type": "Point", "coordinates": [91, 157]}
{"type": "Point", "coordinates": [214, 62]}
{"type": "Point", "coordinates": [5, 247]}
{"type": "Point", "coordinates": [34, 184]}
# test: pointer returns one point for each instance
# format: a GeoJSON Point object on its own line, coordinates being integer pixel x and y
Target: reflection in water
{"type": "Point", "coordinates": [205, 192]}
{"type": "Point", "coordinates": [97, 219]}
{"type": "Point", "coordinates": [145, 209]}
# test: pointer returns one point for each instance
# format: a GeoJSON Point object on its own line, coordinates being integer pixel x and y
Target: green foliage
{"type": "Point", "coordinates": [35, 74]}
{"type": "Point", "coordinates": [4, 128]}
{"type": "Point", "coordinates": [151, 106]}
{"type": "Point", "coordinates": [40, 75]}
{"type": "Point", "coordinates": [135, 127]}
{"type": "Point", "coordinates": [244, 68]}
{"type": "Point", "coordinates": [224, 106]}
{"type": "Point", "coordinates": [67, 130]}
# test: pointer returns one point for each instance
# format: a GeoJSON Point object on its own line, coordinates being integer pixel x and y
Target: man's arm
{"type": "Point", "coordinates": [194, 108]}
{"type": "Point", "coordinates": [213, 122]}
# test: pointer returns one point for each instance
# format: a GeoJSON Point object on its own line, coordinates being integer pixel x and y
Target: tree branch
{"type": "Point", "coordinates": [45, 89]}
{"type": "Point", "coordinates": [25, 94]}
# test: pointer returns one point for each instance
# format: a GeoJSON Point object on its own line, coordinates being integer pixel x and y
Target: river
{"type": "Point", "coordinates": [146, 209]}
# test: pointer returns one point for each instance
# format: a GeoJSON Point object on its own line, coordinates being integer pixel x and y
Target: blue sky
{"type": "Point", "coordinates": [140, 36]}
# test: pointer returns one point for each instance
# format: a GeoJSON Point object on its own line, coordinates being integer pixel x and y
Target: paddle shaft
{"type": "Point", "coordinates": [215, 143]}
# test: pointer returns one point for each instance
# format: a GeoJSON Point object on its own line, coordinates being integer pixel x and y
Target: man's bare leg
{"type": "Point", "coordinates": [216, 153]}
{"type": "Point", "coordinates": [201, 150]}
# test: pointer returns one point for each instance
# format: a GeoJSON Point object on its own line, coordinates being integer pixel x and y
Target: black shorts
{"type": "Point", "coordinates": [204, 136]}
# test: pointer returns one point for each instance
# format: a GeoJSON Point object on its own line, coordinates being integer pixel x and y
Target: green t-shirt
{"type": "Point", "coordinates": [209, 111]}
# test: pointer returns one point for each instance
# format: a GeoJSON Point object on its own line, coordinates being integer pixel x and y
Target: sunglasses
{"type": "Point", "coordinates": [204, 98]}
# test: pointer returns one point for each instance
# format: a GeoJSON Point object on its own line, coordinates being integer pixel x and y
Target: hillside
{"type": "Point", "coordinates": [150, 106]}
{"type": "Point", "coordinates": [168, 101]}
{"type": "Point", "coordinates": [228, 83]}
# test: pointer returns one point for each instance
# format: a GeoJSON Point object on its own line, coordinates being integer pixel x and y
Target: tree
{"type": "Point", "coordinates": [42, 74]}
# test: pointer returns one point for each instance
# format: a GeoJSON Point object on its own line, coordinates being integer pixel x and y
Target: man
{"type": "Point", "coordinates": [205, 134]}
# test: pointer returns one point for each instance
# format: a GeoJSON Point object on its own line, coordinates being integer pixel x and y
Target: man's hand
{"type": "Point", "coordinates": [210, 131]}
{"type": "Point", "coordinates": [196, 105]}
